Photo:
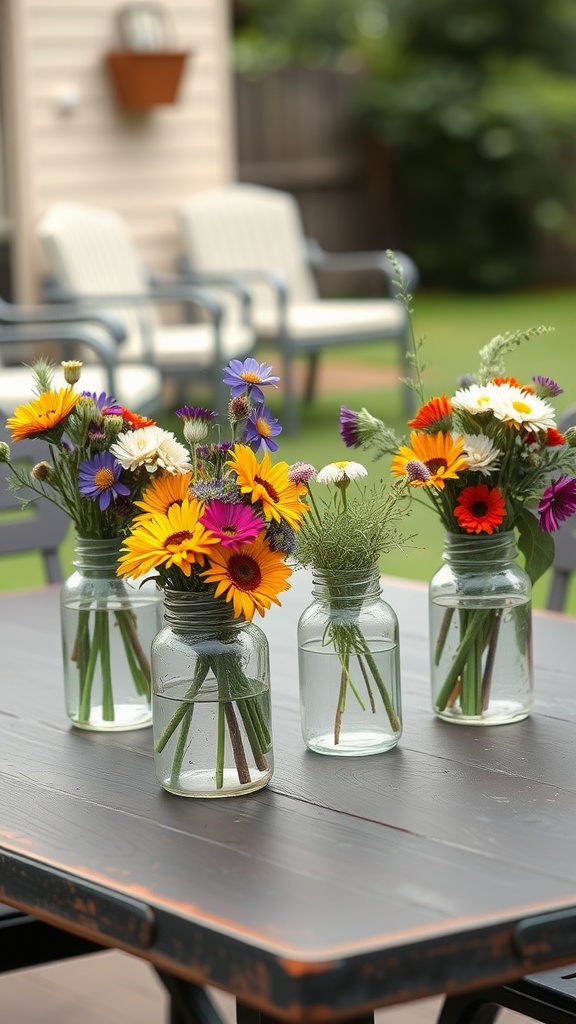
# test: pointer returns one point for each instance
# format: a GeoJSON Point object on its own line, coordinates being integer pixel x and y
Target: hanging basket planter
{"type": "Point", "coordinates": [145, 79]}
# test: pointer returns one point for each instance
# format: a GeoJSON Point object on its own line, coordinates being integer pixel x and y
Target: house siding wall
{"type": "Point", "coordinates": [140, 164]}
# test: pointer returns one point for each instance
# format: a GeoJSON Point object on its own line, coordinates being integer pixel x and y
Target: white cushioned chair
{"type": "Point", "coordinates": [255, 234]}
{"type": "Point", "coordinates": [92, 337]}
{"type": "Point", "coordinates": [92, 260]}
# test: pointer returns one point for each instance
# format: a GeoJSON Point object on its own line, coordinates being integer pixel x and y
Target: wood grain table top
{"type": "Point", "coordinates": [346, 884]}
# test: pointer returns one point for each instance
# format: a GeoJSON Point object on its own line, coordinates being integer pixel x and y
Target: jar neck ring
{"type": "Point", "coordinates": [97, 556]}
{"type": "Point", "coordinates": [199, 613]}
{"type": "Point", "coordinates": [480, 549]}
{"type": "Point", "coordinates": [345, 587]}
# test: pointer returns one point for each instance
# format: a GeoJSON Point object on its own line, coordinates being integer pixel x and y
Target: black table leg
{"type": "Point", "coordinates": [189, 1004]}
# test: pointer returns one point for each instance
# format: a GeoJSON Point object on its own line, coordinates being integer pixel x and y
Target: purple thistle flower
{"type": "Point", "coordinates": [417, 472]}
{"type": "Point", "coordinates": [107, 405]}
{"type": "Point", "coordinates": [196, 412]}
{"type": "Point", "coordinates": [281, 537]}
{"type": "Point", "coordinates": [261, 428]}
{"type": "Point", "coordinates": [349, 430]}
{"type": "Point", "coordinates": [557, 504]}
{"type": "Point", "coordinates": [250, 376]}
{"type": "Point", "coordinates": [233, 524]}
{"type": "Point", "coordinates": [301, 473]}
{"type": "Point", "coordinates": [217, 488]}
{"type": "Point", "coordinates": [545, 387]}
{"type": "Point", "coordinates": [99, 479]}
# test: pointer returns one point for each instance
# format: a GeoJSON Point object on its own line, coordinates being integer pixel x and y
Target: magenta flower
{"type": "Point", "coordinates": [233, 524]}
{"type": "Point", "coordinates": [261, 428]}
{"type": "Point", "coordinates": [196, 412]}
{"type": "Point", "coordinates": [557, 504]}
{"type": "Point", "coordinates": [349, 431]}
{"type": "Point", "coordinates": [250, 376]}
{"type": "Point", "coordinates": [99, 479]}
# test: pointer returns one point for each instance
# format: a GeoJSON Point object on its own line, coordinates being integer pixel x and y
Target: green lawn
{"type": "Point", "coordinates": [454, 327]}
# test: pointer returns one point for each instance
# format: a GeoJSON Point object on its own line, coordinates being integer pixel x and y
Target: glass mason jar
{"type": "Point", "coordinates": [349, 666]}
{"type": "Point", "coordinates": [211, 699]}
{"type": "Point", "coordinates": [480, 632]}
{"type": "Point", "coordinates": [108, 625]}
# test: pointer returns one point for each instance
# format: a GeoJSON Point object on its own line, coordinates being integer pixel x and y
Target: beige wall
{"type": "Point", "coordinates": [139, 164]}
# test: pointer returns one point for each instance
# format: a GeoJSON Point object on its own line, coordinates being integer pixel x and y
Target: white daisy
{"type": "Point", "coordinates": [481, 453]}
{"type": "Point", "coordinates": [473, 399]}
{"type": "Point", "coordinates": [153, 448]}
{"type": "Point", "coordinates": [514, 405]}
{"type": "Point", "coordinates": [341, 472]}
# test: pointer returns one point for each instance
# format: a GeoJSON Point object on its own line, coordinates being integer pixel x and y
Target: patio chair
{"type": "Point", "coordinates": [255, 234]}
{"type": "Point", "coordinates": [92, 260]}
{"type": "Point", "coordinates": [565, 539]}
{"type": "Point", "coordinates": [92, 337]}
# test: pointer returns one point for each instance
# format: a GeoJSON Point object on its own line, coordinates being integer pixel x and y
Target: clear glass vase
{"type": "Point", "coordinates": [349, 666]}
{"type": "Point", "coordinates": [211, 699]}
{"type": "Point", "coordinates": [108, 626]}
{"type": "Point", "coordinates": [480, 632]}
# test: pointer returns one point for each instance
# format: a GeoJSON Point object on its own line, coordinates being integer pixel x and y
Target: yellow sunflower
{"type": "Point", "coordinates": [166, 490]}
{"type": "Point", "coordinates": [43, 414]}
{"type": "Point", "coordinates": [177, 538]}
{"type": "Point", "coordinates": [250, 577]}
{"type": "Point", "coordinates": [270, 485]}
{"type": "Point", "coordinates": [431, 459]}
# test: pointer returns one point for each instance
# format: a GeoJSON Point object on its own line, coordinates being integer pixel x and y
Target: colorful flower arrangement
{"type": "Point", "coordinates": [221, 526]}
{"type": "Point", "coordinates": [88, 475]}
{"type": "Point", "coordinates": [341, 540]}
{"type": "Point", "coordinates": [488, 459]}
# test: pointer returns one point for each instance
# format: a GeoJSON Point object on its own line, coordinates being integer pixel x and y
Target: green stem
{"type": "Point", "coordinates": [220, 746]}
{"type": "Point", "coordinates": [138, 662]}
{"type": "Point", "coordinates": [186, 721]}
{"type": "Point", "coordinates": [475, 624]}
{"type": "Point", "coordinates": [103, 626]}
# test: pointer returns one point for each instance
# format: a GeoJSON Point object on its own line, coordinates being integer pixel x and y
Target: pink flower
{"type": "Point", "coordinates": [233, 524]}
{"type": "Point", "coordinates": [557, 504]}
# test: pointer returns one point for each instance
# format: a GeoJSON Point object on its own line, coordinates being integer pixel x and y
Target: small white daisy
{"type": "Point", "coordinates": [474, 399]}
{"type": "Point", "coordinates": [341, 472]}
{"type": "Point", "coordinates": [514, 405]}
{"type": "Point", "coordinates": [153, 448]}
{"type": "Point", "coordinates": [481, 453]}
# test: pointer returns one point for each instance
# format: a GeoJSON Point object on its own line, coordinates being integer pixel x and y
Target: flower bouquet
{"type": "Point", "coordinates": [491, 462]}
{"type": "Point", "coordinates": [107, 626]}
{"type": "Point", "coordinates": [348, 638]}
{"type": "Point", "coordinates": [217, 535]}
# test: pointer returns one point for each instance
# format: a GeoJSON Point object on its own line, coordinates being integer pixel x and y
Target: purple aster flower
{"type": "Point", "coordinates": [545, 387]}
{"type": "Point", "coordinates": [261, 428]}
{"type": "Point", "coordinates": [233, 524]}
{"type": "Point", "coordinates": [301, 473]}
{"type": "Point", "coordinates": [349, 431]}
{"type": "Point", "coordinates": [99, 479]}
{"type": "Point", "coordinates": [107, 405]}
{"type": "Point", "coordinates": [557, 504]}
{"type": "Point", "coordinates": [250, 376]}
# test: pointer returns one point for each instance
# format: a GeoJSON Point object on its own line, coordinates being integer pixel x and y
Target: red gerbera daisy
{"type": "Point", "coordinates": [554, 438]}
{"type": "Point", "coordinates": [480, 509]}
{"type": "Point", "coordinates": [432, 413]}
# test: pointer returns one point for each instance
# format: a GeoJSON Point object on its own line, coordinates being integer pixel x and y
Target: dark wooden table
{"type": "Point", "coordinates": [347, 884]}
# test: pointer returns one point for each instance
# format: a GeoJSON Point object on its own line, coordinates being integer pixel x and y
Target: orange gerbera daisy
{"type": "Point", "coordinates": [165, 490]}
{"type": "Point", "coordinates": [161, 541]}
{"type": "Point", "coordinates": [135, 420]}
{"type": "Point", "coordinates": [430, 460]}
{"type": "Point", "coordinates": [480, 509]}
{"type": "Point", "coordinates": [513, 383]}
{"type": "Point", "coordinates": [270, 485]}
{"type": "Point", "coordinates": [43, 414]}
{"type": "Point", "coordinates": [433, 412]}
{"type": "Point", "coordinates": [251, 576]}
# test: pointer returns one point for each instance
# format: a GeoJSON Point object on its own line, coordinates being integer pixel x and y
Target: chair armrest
{"type": "Point", "coordinates": [73, 313]}
{"type": "Point", "coordinates": [229, 282]}
{"type": "Point", "coordinates": [372, 260]}
{"type": "Point", "coordinates": [160, 290]}
{"type": "Point", "coordinates": [29, 334]}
